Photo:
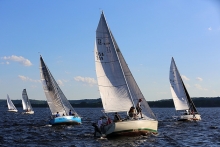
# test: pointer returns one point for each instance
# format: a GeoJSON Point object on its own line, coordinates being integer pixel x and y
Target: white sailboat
{"type": "Point", "coordinates": [56, 99]}
{"type": "Point", "coordinates": [118, 88]}
{"type": "Point", "coordinates": [181, 98]}
{"type": "Point", "coordinates": [26, 103]}
{"type": "Point", "coordinates": [11, 106]}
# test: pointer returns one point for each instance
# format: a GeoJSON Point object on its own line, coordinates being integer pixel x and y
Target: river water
{"type": "Point", "coordinates": [17, 129]}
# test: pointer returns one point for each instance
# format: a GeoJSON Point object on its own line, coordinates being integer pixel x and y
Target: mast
{"type": "Point", "coordinates": [119, 60]}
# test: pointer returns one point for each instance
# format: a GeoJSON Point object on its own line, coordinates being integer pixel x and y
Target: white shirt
{"type": "Point", "coordinates": [139, 104]}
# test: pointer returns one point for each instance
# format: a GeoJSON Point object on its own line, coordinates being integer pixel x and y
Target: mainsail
{"type": "Point", "coordinates": [181, 98]}
{"type": "Point", "coordinates": [118, 88]}
{"type": "Point", "coordinates": [25, 101]}
{"type": "Point", "coordinates": [11, 106]}
{"type": "Point", "coordinates": [55, 97]}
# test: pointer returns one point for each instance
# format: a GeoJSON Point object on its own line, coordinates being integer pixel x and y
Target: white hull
{"type": "Point", "coordinates": [13, 110]}
{"type": "Point", "coordinates": [29, 112]}
{"type": "Point", "coordinates": [190, 117]}
{"type": "Point", "coordinates": [131, 126]}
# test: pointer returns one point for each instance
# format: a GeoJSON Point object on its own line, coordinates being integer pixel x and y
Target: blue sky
{"type": "Point", "coordinates": [148, 33]}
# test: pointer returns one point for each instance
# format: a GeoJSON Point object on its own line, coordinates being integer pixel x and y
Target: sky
{"type": "Point", "coordinates": [149, 33]}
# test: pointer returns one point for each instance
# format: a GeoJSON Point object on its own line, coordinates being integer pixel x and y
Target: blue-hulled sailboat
{"type": "Point", "coordinates": [58, 103]}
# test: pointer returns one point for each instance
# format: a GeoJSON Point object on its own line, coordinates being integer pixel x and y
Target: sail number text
{"type": "Point", "coordinates": [99, 55]}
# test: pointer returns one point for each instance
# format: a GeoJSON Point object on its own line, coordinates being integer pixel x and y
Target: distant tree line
{"type": "Point", "coordinates": [199, 102]}
{"type": "Point", "coordinates": [166, 103]}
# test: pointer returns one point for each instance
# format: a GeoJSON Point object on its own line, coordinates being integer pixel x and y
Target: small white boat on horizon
{"type": "Point", "coordinates": [11, 106]}
{"type": "Point", "coordinates": [118, 88]}
{"type": "Point", "coordinates": [26, 103]}
{"type": "Point", "coordinates": [182, 101]}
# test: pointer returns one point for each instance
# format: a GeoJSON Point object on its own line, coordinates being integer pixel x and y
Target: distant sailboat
{"type": "Point", "coordinates": [11, 106]}
{"type": "Point", "coordinates": [26, 103]}
{"type": "Point", "coordinates": [118, 88]}
{"type": "Point", "coordinates": [56, 99]}
{"type": "Point", "coordinates": [181, 98]}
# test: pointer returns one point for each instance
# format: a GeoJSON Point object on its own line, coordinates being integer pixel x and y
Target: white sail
{"type": "Point", "coordinates": [119, 91]}
{"type": "Point", "coordinates": [26, 102]}
{"type": "Point", "coordinates": [55, 97]}
{"type": "Point", "coordinates": [112, 85]}
{"type": "Point", "coordinates": [177, 88]}
{"type": "Point", "coordinates": [11, 106]}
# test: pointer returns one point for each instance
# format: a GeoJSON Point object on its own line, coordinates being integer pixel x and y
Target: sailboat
{"type": "Point", "coordinates": [11, 106]}
{"type": "Point", "coordinates": [26, 103]}
{"type": "Point", "coordinates": [118, 88]}
{"type": "Point", "coordinates": [58, 103]}
{"type": "Point", "coordinates": [181, 98]}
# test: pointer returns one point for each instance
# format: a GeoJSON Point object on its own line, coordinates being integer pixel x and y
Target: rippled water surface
{"type": "Point", "coordinates": [17, 129]}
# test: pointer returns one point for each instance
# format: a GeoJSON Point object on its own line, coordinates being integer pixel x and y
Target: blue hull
{"type": "Point", "coordinates": [65, 120]}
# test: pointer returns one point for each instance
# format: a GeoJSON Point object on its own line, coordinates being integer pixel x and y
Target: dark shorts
{"type": "Point", "coordinates": [138, 109]}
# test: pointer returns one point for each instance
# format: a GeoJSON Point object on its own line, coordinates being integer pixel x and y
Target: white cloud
{"type": "Point", "coordinates": [7, 62]}
{"type": "Point", "coordinates": [185, 78]}
{"type": "Point", "coordinates": [60, 83]}
{"type": "Point", "coordinates": [23, 78]}
{"type": "Point", "coordinates": [19, 59]}
{"type": "Point", "coordinates": [200, 79]}
{"type": "Point", "coordinates": [210, 28]}
{"type": "Point", "coordinates": [88, 80]}
{"type": "Point", "coordinates": [200, 87]}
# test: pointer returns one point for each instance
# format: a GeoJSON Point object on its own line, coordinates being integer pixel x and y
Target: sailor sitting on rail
{"type": "Point", "coordinates": [132, 113]}
{"type": "Point", "coordinates": [57, 115]}
{"type": "Point", "coordinates": [117, 117]}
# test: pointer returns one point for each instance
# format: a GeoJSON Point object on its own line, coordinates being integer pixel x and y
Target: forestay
{"type": "Point", "coordinates": [117, 86]}
{"type": "Point", "coordinates": [25, 101]}
{"type": "Point", "coordinates": [55, 97]}
{"type": "Point", "coordinates": [11, 106]}
{"type": "Point", "coordinates": [177, 88]}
